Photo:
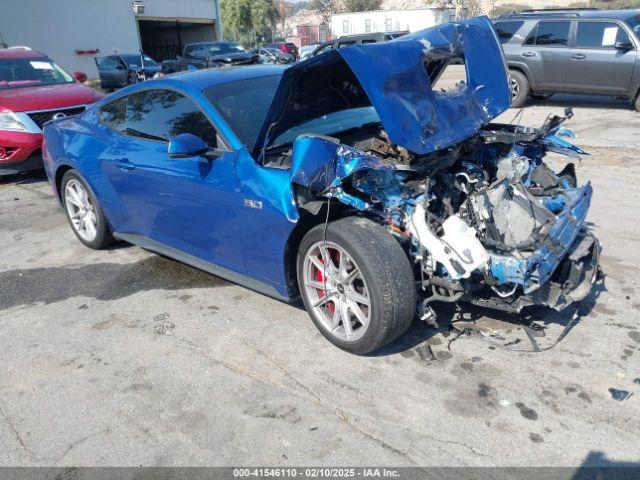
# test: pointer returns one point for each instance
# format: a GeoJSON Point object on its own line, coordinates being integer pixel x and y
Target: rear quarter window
{"type": "Point", "coordinates": [506, 30]}
{"type": "Point", "coordinates": [114, 114]}
{"type": "Point", "coordinates": [600, 35]}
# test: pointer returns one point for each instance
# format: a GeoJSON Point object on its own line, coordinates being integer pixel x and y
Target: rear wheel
{"type": "Point", "coordinates": [357, 284]}
{"type": "Point", "coordinates": [636, 103]}
{"type": "Point", "coordinates": [520, 88]}
{"type": "Point", "coordinates": [84, 213]}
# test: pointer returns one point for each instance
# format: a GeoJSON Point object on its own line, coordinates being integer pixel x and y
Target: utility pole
{"type": "Point", "coordinates": [219, 18]}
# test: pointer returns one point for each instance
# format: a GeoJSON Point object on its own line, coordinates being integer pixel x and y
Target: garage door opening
{"type": "Point", "coordinates": [164, 39]}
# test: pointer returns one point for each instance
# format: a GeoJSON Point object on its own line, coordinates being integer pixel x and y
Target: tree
{"type": "Point", "coordinates": [498, 10]}
{"type": "Point", "coordinates": [462, 7]}
{"type": "Point", "coordinates": [326, 8]}
{"type": "Point", "coordinates": [361, 5]}
{"type": "Point", "coordinates": [248, 19]}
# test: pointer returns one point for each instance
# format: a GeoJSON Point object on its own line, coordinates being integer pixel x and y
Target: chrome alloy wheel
{"type": "Point", "coordinates": [337, 292]}
{"type": "Point", "coordinates": [81, 211]}
{"type": "Point", "coordinates": [514, 87]}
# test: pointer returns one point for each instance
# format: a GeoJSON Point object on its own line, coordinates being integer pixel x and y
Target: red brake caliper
{"type": "Point", "coordinates": [320, 278]}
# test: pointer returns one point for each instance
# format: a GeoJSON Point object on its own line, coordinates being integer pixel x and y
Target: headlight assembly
{"type": "Point", "coordinates": [9, 121]}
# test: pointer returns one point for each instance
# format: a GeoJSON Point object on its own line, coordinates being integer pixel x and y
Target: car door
{"type": "Point", "coordinates": [185, 204]}
{"type": "Point", "coordinates": [546, 53]}
{"type": "Point", "coordinates": [110, 72]}
{"type": "Point", "coordinates": [602, 59]}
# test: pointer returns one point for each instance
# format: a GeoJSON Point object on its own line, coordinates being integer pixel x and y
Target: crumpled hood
{"type": "Point", "coordinates": [394, 78]}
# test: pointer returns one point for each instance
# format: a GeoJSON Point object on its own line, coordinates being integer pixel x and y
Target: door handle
{"type": "Point", "coordinates": [529, 54]}
{"type": "Point", "coordinates": [578, 56]}
{"type": "Point", "coordinates": [125, 164]}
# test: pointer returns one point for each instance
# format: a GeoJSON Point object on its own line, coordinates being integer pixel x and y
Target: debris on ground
{"type": "Point", "coordinates": [619, 395]}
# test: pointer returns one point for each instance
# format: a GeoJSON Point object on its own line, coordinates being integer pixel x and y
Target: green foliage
{"type": "Point", "coordinates": [361, 5]}
{"type": "Point", "coordinates": [245, 20]}
{"type": "Point", "coordinates": [508, 8]}
{"type": "Point", "coordinates": [326, 8]}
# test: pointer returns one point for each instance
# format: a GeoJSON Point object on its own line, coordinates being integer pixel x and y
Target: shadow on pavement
{"type": "Point", "coordinates": [34, 176]}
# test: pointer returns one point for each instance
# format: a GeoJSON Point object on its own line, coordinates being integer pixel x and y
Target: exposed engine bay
{"type": "Point", "coordinates": [486, 221]}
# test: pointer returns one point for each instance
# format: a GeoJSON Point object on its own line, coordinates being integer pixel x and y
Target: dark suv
{"type": "Point", "coordinates": [572, 51]}
{"type": "Point", "coordinates": [363, 38]}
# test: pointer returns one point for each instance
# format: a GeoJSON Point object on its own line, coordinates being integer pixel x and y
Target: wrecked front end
{"type": "Point", "coordinates": [479, 213]}
{"type": "Point", "coordinates": [486, 221]}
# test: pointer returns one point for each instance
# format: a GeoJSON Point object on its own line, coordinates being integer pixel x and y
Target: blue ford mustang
{"type": "Point", "coordinates": [348, 180]}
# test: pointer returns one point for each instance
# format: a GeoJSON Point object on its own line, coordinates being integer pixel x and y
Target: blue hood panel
{"type": "Point", "coordinates": [395, 79]}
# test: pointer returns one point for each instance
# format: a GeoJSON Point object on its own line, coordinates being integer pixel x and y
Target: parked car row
{"type": "Point", "coordinates": [547, 52]}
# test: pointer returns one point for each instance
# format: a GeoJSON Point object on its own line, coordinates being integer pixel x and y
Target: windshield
{"type": "Point", "coordinates": [31, 72]}
{"type": "Point", "coordinates": [221, 48]}
{"type": "Point", "coordinates": [135, 61]}
{"type": "Point", "coordinates": [331, 124]}
{"type": "Point", "coordinates": [634, 23]}
{"type": "Point", "coordinates": [244, 104]}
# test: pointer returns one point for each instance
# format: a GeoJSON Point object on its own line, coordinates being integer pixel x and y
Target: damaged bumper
{"type": "Point", "coordinates": [534, 271]}
{"type": "Point", "coordinates": [571, 281]}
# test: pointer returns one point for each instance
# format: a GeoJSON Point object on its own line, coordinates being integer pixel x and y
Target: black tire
{"type": "Point", "coordinates": [386, 271]}
{"type": "Point", "coordinates": [103, 237]}
{"type": "Point", "coordinates": [636, 103]}
{"type": "Point", "coordinates": [519, 91]}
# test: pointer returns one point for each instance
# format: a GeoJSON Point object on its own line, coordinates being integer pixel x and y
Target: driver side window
{"type": "Point", "coordinates": [159, 115]}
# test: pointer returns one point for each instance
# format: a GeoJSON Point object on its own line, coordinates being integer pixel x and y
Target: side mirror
{"type": "Point", "coordinates": [187, 145]}
{"type": "Point", "coordinates": [624, 46]}
{"type": "Point", "coordinates": [80, 76]}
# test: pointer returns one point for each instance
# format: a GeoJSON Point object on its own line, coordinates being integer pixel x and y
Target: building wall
{"type": "Point", "coordinates": [187, 9]}
{"type": "Point", "coordinates": [60, 27]}
{"type": "Point", "coordinates": [411, 20]}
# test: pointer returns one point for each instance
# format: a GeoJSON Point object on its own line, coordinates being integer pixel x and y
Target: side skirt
{"type": "Point", "coordinates": [243, 280]}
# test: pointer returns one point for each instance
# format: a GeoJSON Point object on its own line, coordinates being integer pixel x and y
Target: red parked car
{"type": "Point", "coordinates": [285, 47]}
{"type": "Point", "coordinates": [34, 90]}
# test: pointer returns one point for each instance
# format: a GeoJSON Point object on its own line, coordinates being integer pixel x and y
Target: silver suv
{"type": "Point", "coordinates": [572, 51]}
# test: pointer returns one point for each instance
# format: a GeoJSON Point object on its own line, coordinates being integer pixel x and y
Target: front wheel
{"type": "Point", "coordinates": [84, 213]}
{"type": "Point", "coordinates": [520, 88]}
{"type": "Point", "coordinates": [636, 103]}
{"type": "Point", "coordinates": [356, 283]}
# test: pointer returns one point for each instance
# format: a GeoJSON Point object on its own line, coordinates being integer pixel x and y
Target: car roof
{"type": "Point", "coordinates": [20, 52]}
{"type": "Point", "coordinates": [209, 77]}
{"type": "Point", "coordinates": [570, 13]}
